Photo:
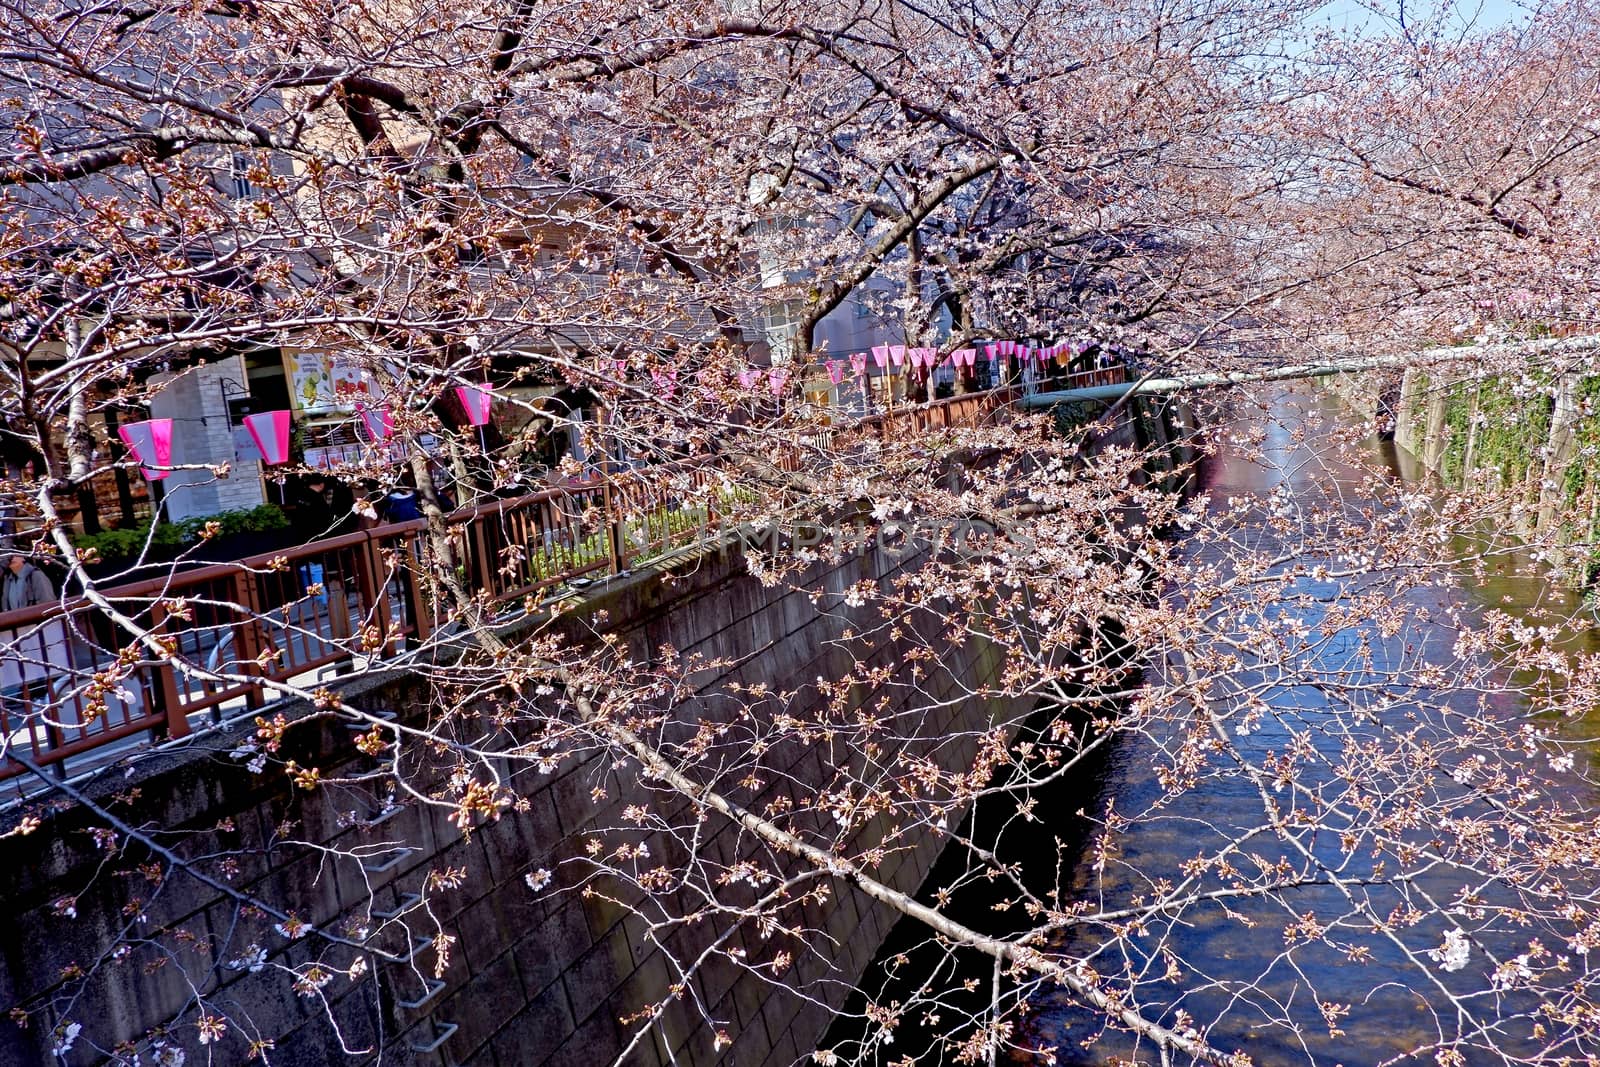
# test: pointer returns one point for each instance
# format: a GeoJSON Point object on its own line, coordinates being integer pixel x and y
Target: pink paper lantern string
{"type": "Point", "coordinates": [749, 377]}
{"type": "Point", "coordinates": [835, 371]}
{"type": "Point", "coordinates": [858, 362]}
{"type": "Point", "coordinates": [666, 381]}
{"type": "Point", "coordinates": [270, 430]}
{"type": "Point", "coordinates": [880, 355]}
{"type": "Point", "coordinates": [476, 399]}
{"type": "Point", "coordinates": [897, 355]}
{"type": "Point", "coordinates": [379, 424]}
{"type": "Point", "coordinates": [777, 379]}
{"type": "Point", "coordinates": [150, 442]}
{"type": "Point", "coordinates": [993, 350]}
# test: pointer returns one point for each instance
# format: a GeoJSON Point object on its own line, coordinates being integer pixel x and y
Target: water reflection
{"type": "Point", "coordinates": [1239, 979]}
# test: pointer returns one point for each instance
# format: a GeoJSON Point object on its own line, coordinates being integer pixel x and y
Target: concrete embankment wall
{"type": "Point", "coordinates": [110, 937]}
{"type": "Point", "coordinates": [1532, 442]}
{"type": "Point", "coordinates": [533, 978]}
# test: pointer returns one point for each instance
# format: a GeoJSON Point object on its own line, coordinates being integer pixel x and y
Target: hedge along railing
{"type": "Point", "coordinates": [71, 682]}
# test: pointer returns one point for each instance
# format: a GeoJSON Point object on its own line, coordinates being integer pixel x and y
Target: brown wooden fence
{"type": "Point", "coordinates": [71, 682]}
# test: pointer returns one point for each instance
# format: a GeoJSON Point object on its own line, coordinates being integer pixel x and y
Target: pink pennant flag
{"type": "Point", "coordinates": [150, 442]}
{"type": "Point", "coordinates": [476, 398]}
{"type": "Point", "coordinates": [777, 378]}
{"type": "Point", "coordinates": [749, 377]}
{"type": "Point", "coordinates": [379, 424]}
{"type": "Point", "coordinates": [270, 429]}
{"type": "Point", "coordinates": [835, 371]}
{"type": "Point", "coordinates": [880, 355]}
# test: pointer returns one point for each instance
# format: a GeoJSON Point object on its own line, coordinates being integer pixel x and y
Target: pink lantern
{"type": "Point", "coordinates": [150, 442]}
{"type": "Point", "coordinates": [897, 354]}
{"type": "Point", "coordinates": [777, 378]}
{"type": "Point", "coordinates": [966, 356]}
{"type": "Point", "coordinates": [379, 424]}
{"type": "Point", "coordinates": [858, 362]}
{"type": "Point", "coordinates": [835, 371]}
{"type": "Point", "coordinates": [749, 377]}
{"type": "Point", "coordinates": [270, 429]}
{"type": "Point", "coordinates": [993, 351]}
{"type": "Point", "coordinates": [880, 355]}
{"type": "Point", "coordinates": [666, 381]}
{"type": "Point", "coordinates": [476, 398]}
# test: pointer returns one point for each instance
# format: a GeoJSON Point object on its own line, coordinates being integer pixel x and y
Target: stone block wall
{"type": "Point", "coordinates": [201, 433]}
{"type": "Point", "coordinates": [534, 980]}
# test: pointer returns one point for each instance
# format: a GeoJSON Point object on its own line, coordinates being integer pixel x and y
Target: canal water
{"type": "Point", "coordinates": [1234, 975]}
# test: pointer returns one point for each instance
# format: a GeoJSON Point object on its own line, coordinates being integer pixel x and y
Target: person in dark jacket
{"type": "Point", "coordinates": [401, 505]}
{"type": "Point", "coordinates": [323, 508]}
{"type": "Point", "coordinates": [25, 585]}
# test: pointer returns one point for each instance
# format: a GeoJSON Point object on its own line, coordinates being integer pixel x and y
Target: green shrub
{"type": "Point", "coordinates": [126, 544]}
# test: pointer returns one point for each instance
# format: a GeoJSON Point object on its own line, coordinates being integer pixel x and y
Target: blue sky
{"type": "Point", "coordinates": [1485, 14]}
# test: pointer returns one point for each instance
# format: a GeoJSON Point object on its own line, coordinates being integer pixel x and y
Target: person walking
{"type": "Point", "coordinates": [25, 585]}
{"type": "Point", "coordinates": [401, 504]}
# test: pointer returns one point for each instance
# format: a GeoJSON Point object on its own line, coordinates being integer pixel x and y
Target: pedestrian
{"type": "Point", "coordinates": [26, 586]}
{"type": "Point", "coordinates": [324, 507]}
{"type": "Point", "coordinates": [400, 505]}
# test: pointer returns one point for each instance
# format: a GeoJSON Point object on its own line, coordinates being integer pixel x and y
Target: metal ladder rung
{"type": "Point", "coordinates": [419, 945]}
{"type": "Point", "coordinates": [405, 903]}
{"type": "Point", "coordinates": [400, 855]}
{"type": "Point", "coordinates": [442, 1033]}
{"type": "Point", "coordinates": [430, 989]}
{"type": "Point", "coordinates": [386, 714]}
{"type": "Point", "coordinates": [384, 815]}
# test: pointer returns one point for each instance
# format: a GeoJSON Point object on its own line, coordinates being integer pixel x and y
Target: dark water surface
{"type": "Point", "coordinates": [1239, 981]}
{"type": "Point", "coordinates": [1245, 978]}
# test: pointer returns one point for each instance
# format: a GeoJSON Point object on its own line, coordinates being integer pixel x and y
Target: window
{"type": "Point", "coordinates": [239, 175]}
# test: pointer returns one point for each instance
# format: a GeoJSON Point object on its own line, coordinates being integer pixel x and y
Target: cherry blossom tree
{"type": "Point", "coordinates": [615, 200]}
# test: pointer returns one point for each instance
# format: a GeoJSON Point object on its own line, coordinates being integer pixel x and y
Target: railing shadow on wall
{"type": "Point", "coordinates": [73, 682]}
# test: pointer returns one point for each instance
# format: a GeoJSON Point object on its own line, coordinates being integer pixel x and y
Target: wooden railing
{"type": "Point", "coordinates": [73, 682]}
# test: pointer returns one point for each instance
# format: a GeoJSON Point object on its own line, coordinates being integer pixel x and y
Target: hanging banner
{"type": "Point", "coordinates": [321, 383]}
{"type": "Point", "coordinates": [379, 423]}
{"type": "Point", "coordinates": [476, 398]}
{"type": "Point", "coordinates": [150, 442]}
{"type": "Point", "coordinates": [270, 430]}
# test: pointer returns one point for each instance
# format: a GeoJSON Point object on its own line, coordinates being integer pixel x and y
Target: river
{"type": "Point", "coordinates": [1237, 980]}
